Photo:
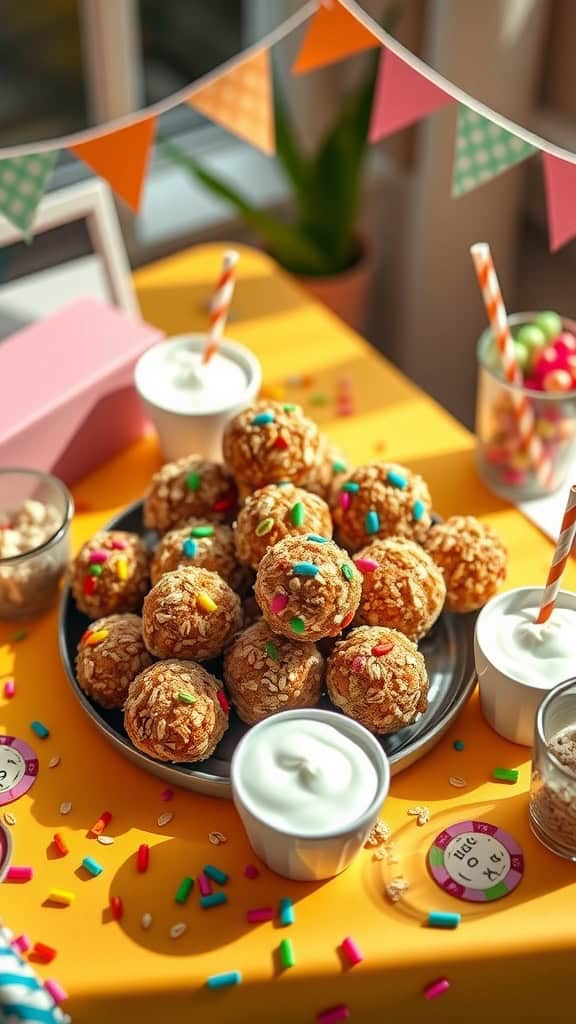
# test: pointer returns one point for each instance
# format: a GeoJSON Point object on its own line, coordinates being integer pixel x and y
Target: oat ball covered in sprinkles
{"type": "Point", "coordinates": [378, 677]}
{"type": "Point", "coordinates": [472, 559]}
{"type": "Point", "coordinates": [381, 500]}
{"type": "Point", "coordinates": [176, 711]}
{"type": "Point", "coordinates": [189, 488]}
{"type": "Point", "coordinates": [266, 673]}
{"type": "Point", "coordinates": [110, 654]}
{"type": "Point", "coordinates": [270, 441]}
{"type": "Point", "coordinates": [402, 587]}
{"type": "Point", "coordinates": [274, 512]}
{"type": "Point", "coordinates": [190, 613]}
{"type": "Point", "coordinates": [202, 545]}
{"type": "Point", "coordinates": [109, 574]}
{"type": "Point", "coordinates": [307, 588]}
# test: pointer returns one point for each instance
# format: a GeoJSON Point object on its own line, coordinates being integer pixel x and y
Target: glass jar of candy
{"type": "Point", "coordinates": [545, 348]}
{"type": "Point", "coordinates": [553, 785]}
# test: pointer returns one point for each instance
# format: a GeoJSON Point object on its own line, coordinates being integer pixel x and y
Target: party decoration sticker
{"type": "Point", "coordinates": [476, 861]}
{"type": "Point", "coordinates": [18, 768]}
{"type": "Point", "coordinates": [5, 851]}
{"type": "Point", "coordinates": [23, 180]}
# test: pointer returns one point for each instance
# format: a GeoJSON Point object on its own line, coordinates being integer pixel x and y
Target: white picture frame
{"type": "Point", "coordinates": [90, 201]}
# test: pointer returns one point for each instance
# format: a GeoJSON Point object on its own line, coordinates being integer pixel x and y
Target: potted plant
{"type": "Point", "coordinates": [321, 244]}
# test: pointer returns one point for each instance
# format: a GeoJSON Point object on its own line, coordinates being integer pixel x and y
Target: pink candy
{"type": "Point", "coordinates": [278, 603]}
{"type": "Point", "coordinates": [98, 557]}
{"type": "Point", "coordinates": [59, 995]}
{"type": "Point", "coordinates": [260, 914]}
{"type": "Point", "coordinates": [358, 663]}
{"type": "Point", "coordinates": [9, 688]}
{"type": "Point", "coordinates": [204, 885]}
{"type": "Point", "coordinates": [344, 499]}
{"type": "Point", "coordinates": [351, 952]}
{"type": "Point", "coordinates": [251, 871]}
{"type": "Point", "coordinates": [21, 943]}
{"type": "Point", "coordinates": [365, 564]}
{"type": "Point", "coordinates": [436, 988]}
{"type": "Point", "coordinates": [20, 874]}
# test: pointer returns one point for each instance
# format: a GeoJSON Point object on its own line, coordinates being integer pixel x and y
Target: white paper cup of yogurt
{"type": "Point", "coordinates": [519, 661]}
{"type": "Point", "coordinates": [189, 403]}
{"type": "Point", "coordinates": [308, 785]}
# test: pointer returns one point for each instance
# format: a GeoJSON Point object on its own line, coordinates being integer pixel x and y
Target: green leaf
{"type": "Point", "coordinates": [294, 163]}
{"type": "Point", "coordinates": [292, 249]}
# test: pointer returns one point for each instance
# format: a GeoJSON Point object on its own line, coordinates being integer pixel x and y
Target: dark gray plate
{"type": "Point", "coordinates": [449, 658]}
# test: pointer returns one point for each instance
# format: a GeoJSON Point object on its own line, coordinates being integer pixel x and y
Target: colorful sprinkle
{"type": "Point", "coordinates": [436, 988]}
{"type": "Point", "coordinates": [264, 527]}
{"type": "Point", "coordinates": [298, 625]}
{"type": "Point", "coordinates": [186, 698]}
{"type": "Point", "coordinates": [224, 980]}
{"type": "Point", "coordinates": [458, 745]}
{"type": "Point", "coordinates": [61, 896]}
{"type": "Point", "coordinates": [18, 636]}
{"type": "Point", "coordinates": [286, 911]}
{"type": "Point", "coordinates": [193, 481]}
{"type": "Point", "coordinates": [184, 889]}
{"type": "Point", "coordinates": [95, 637]}
{"type": "Point", "coordinates": [98, 557]}
{"type": "Point", "coordinates": [223, 701]}
{"type": "Point", "coordinates": [60, 844]}
{"type": "Point", "coordinates": [281, 443]}
{"type": "Point", "coordinates": [214, 900]}
{"type": "Point", "coordinates": [167, 794]}
{"type": "Point", "coordinates": [278, 603]}
{"type": "Point", "coordinates": [142, 858]}
{"type": "Point", "coordinates": [347, 620]}
{"type": "Point", "coordinates": [204, 885]}
{"type": "Point", "coordinates": [350, 487]}
{"type": "Point", "coordinates": [344, 500]}
{"type": "Point", "coordinates": [289, 407]}
{"type": "Point", "coordinates": [258, 915]}
{"type": "Point", "coordinates": [190, 548]}
{"type": "Point", "coordinates": [117, 908]}
{"type": "Point", "coordinates": [41, 730]}
{"type": "Point", "coordinates": [505, 774]}
{"type": "Point", "coordinates": [305, 569]}
{"type": "Point", "coordinates": [89, 586]}
{"type": "Point", "coordinates": [251, 871]}
{"type": "Point", "coordinates": [122, 569]}
{"type": "Point", "coordinates": [317, 539]}
{"type": "Point", "coordinates": [366, 565]}
{"type": "Point", "coordinates": [319, 399]}
{"type": "Point", "coordinates": [333, 1015]}
{"type": "Point", "coordinates": [338, 466]}
{"type": "Point", "coordinates": [19, 874]}
{"type": "Point", "coordinates": [352, 952]}
{"type": "Point", "coordinates": [443, 919]}
{"type": "Point", "coordinates": [263, 418]}
{"type": "Point", "coordinates": [287, 957]}
{"type": "Point", "coordinates": [372, 521]}
{"type": "Point", "coordinates": [205, 602]}
{"type": "Point", "coordinates": [119, 545]}
{"type": "Point", "coordinates": [99, 826]}
{"type": "Point", "coordinates": [272, 650]}
{"type": "Point", "coordinates": [357, 664]}
{"type": "Point", "coordinates": [92, 866]}
{"type": "Point", "coordinates": [347, 572]}
{"type": "Point", "coordinates": [215, 874]}
{"type": "Point", "coordinates": [379, 650]}
{"type": "Point", "coordinates": [54, 989]}
{"type": "Point", "coordinates": [9, 688]}
{"type": "Point", "coordinates": [225, 504]}
{"type": "Point", "coordinates": [418, 510]}
{"type": "Point", "coordinates": [202, 531]}
{"type": "Point", "coordinates": [95, 570]}
{"type": "Point", "coordinates": [396, 479]}
{"type": "Point", "coordinates": [21, 943]}
{"type": "Point", "coordinates": [297, 514]}
{"type": "Point", "coordinates": [44, 953]}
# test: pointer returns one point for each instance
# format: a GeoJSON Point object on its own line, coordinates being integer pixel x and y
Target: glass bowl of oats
{"type": "Point", "coordinates": [35, 514]}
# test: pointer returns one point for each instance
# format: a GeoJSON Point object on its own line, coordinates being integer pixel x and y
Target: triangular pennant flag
{"type": "Point", "coordinates": [560, 185]}
{"type": "Point", "coordinates": [334, 33]}
{"type": "Point", "coordinates": [402, 97]}
{"type": "Point", "coordinates": [121, 158]}
{"type": "Point", "coordinates": [482, 151]}
{"type": "Point", "coordinates": [241, 101]}
{"type": "Point", "coordinates": [22, 183]}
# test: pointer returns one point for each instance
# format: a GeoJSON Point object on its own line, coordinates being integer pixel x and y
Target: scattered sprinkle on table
{"type": "Point", "coordinates": [177, 930]}
{"type": "Point", "coordinates": [18, 873]}
{"type": "Point", "coordinates": [164, 819]}
{"type": "Point", "coordinates": [92, 866]}
{"type": "Point", "coordinates": [99, 826]}
{"type": "Point", "coordinates": [287, 958]}
{"type": "Point", "coordinates": [40, 730]}
{"type": "Point", "coordinates": [65, 807]}
{"type": "Point", "coordinates": [457, 781]}
{"type": "Point", "coordinates": [184, 889]}
{"type": "Point", "coordinates": [9, 818]}
{"type": "Point", "coordinates": [146, 921]}
{"type": "Point", "coordinates": [224, 980]}
{"type": "Point", "coordinates": [9, 688]}
{"type": "Point", "coordinates": [18, 636]}
{"type": "Point", "coordinates": [505, 774]}
{"type": "Point", "coordinates": [215, 874]}
{"type": "Point", "coordinates": [251, 871]}
{"type": "Point", "coordinates": [258, 915]}
{"type": "Point", "coordinates": [21, 943]}
{"type": "Point", "coordinates": [333, 1014]}
{"type": "Point", "coordinates": [214, 900]}
{"type": "Point", "coordinates": [204, 885]}
{"type": "Point", "coordinates": [44, 953]}
{"type": "Point", "coordinates": [54, 762]}
{"type": "Point", "coordinates": [59, 994]}
{"type": "Point", "coordinates": [116, 908]}
{"type": "Point", "coordinates": [216, 838]}
{"type": "Point", "coordinates": [352, 952]}
{"type": "Point", "coordinates": [142, 858]}
{"type": "Point", "coordinates": [167, 794]}
{"type": "Point", "coordinates": [319, 399]}
{"type": "Point", "coordinates": [436, 988]}
{"type": "Point", "coordinates": [64, 897]}
{"type": "Point", "coordinates": [60, 844]}
{"type": "Point", "coordinates": [286, 911]}
{"type": "Point", "coordinates": [443, 919]}
{"type": "Point", "coordinates": [458, 745]}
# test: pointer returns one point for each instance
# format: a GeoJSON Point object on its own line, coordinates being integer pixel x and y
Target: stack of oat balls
{"type": "Point", "coordinates": [277, 574]}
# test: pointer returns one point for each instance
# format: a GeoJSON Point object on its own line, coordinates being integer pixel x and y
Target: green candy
{"type": "Point", "coordinates": [297, 624]}
{"type": "Point", "coordinates": [523, 355]}
{"type": "Point", "coordinates": [193, 481]}
{"type": "Point", "coordinates": [550, 323]}
{"type": "Point", "coordinates": [531, 336]}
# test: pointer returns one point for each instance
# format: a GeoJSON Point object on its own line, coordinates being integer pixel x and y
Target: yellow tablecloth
{"type": "Point", "coordinates": [512, 957]}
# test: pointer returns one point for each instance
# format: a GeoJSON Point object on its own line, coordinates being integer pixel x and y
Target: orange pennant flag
{"type": "Point", "coordinates": [121, 158]}
{"type": "Point", "coordinates": [333, 34]}
{"type": "Point", "coordinates": [241, 101]}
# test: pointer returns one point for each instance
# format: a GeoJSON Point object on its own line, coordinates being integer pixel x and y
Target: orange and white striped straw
{"type": "Point", "coordinates": [498, 320]}
{"type": "Point", "coordinates": [221, 303]}
{"type": "Point", "coordinates": [561, 556]}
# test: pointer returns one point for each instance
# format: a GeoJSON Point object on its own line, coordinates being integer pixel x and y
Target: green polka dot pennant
{"type": "Point", "coordinates": [482, 151]}
{"type": "Point", "coordinates": [22, 183]}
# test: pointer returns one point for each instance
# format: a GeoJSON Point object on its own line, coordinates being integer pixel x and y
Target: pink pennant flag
{"type": "Point", "coordinates": [560, 185]}
{"type": "Point", "coordinates": [402, 97]}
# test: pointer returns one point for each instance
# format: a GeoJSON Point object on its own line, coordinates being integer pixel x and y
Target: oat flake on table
{"type": "Point", "coordinates": [177, 930]}
{"type": "Point", "coordinates": [164, 819]}
{"type": "Point", "coordinates": [9, 818]}
{"type": "Point", "coordinates": [216, 838]}
{"type": "Point", "coordinates": [105, 840]}
{"type": "Point", "coordinates": [65, 807]}
{"type": "Point", "coordinates": [54, 762]}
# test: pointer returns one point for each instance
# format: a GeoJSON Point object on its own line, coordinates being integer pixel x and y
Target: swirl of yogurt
{"type": "Point", "coordinates": [542, 654]}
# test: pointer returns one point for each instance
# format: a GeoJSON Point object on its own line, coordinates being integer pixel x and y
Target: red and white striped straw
{"type": "Point", "coordinates": [561, 556]}
{"type": "Point", "coordinates": [498, 320]}
{"type": "Point", "coordinates": [221, 303]}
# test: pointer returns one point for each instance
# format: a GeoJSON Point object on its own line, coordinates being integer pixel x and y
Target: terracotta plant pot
{"type": "Point", "coordinates": [346, 294]}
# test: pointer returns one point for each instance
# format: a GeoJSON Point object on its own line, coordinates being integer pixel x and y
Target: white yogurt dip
{"type": "Point", "coordinates": [173, 377]}
{"type": "Point", "coordinates": [306, 776]}
{"type": "Point", "coordinates": [540, 654]}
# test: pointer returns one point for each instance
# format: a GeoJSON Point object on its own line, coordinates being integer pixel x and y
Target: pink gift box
{"type": "Point", "coordinates": [67, 401]}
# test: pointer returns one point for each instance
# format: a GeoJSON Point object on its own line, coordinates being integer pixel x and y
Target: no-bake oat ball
{"type": "Point", "coordinates": [190, 613]}
{"type": "Point", "coordinates": [265, 673]}
{"type": "Point", "coordinates": [176, 711]}
{"type": "Point", "coordinates": [110, 655]}
{"type": "Point", "coordinates": [378, 677]}
{"type": "Point", "coordinates": [268, 442]}
{"type": "Point", "coordinates": [274, 512]}
{"type": "Point", "coordinates": [307, 588]}
{"type": "Point", "coordinates": [189, 488]}
{"type": "Point", "coordinates": [110, 574]}
{"type": "Point", "coordinates": [402, 587]}
{"type": "Point", "coordinates": [472, 559]}
{"type": "Point", "coordinates": [382, 499]}
{"type": "Point", "coordinates": [202, 545]}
